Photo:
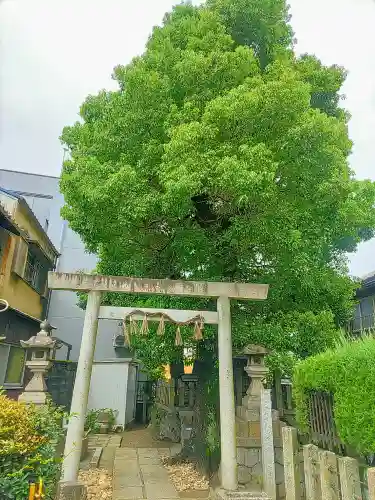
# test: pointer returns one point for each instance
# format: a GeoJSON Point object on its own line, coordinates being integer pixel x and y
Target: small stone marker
{"type": "Point", "coordinates": [329, 479]}
{"type": "Point", "coordinates": [311, 469]}
{"type": "Point", "coordinates": [71, 490]}
{"type": "Point", "coordinates": [349, 479]}
{"type": "Point", "coordinates": [268, 452]}
{"type": "Point", "coordinates": [291, 464]}
{"type": "Point", "coordinates": [371, 483]}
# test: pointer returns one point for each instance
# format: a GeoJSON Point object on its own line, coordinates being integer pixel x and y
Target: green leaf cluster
{"type": "Point", "coordinates": [28, 439]}
{"type": "Point", "coordinates": [224, 156]}
{"type": "Point", "coordinates": [348, 373]}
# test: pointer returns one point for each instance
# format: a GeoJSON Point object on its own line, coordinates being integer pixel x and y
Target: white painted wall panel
{"type": "Point", "coordinates": [109, 387]}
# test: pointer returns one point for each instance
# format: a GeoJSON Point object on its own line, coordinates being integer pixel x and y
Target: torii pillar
{"type": "Point", "coordinates": [95, 285]}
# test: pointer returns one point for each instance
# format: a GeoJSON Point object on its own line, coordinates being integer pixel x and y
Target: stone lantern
{"type": "Point", "coordinates": [256, 370]}
{"type": "Point", "coordinates": [41, 346]}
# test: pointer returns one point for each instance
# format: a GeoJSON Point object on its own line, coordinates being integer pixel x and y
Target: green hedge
{"type": "Point", "coordinates": [348, 372]}
{"type": "Point", "coordinates": [28, 437]}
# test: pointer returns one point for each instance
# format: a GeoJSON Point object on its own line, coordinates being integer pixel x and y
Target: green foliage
{"type": "Point", "coordinates": [28, 437]}
{"type": "Point", "coordinates": [348, 373]}
{"type": "Point", "coordinates": [224, 156]}
{"type": "Point", "coordinates": [92, 423]}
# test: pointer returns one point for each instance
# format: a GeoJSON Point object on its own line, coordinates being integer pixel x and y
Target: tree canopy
{"type": "Point", "coordinates": [224, 156]}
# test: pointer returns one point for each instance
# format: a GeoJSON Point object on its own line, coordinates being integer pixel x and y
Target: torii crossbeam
{"type": "Point", "coordinates": [95, 285]}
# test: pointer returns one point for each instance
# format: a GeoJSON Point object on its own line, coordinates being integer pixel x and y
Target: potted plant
{"type": "Point", "coordinates": [106, 420]}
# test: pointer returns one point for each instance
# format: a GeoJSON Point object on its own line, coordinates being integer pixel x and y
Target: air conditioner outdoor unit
{"type": "Point", "coordinates": [119, 340]}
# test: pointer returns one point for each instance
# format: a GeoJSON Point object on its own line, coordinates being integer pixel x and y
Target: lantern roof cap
{"type": "Point", "coordinates": [42, 339]}
{"type": "Point", "coordinates": [253, 349]}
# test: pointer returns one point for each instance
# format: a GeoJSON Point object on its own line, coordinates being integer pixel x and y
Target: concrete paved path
{"type": "Point", "coordinates": [139, 474]}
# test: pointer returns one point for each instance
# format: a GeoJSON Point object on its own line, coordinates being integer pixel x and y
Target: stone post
{"type": "Point", "coordinates": [329, 479]}
{"type": "Point", "coordinates": [291, 464]}
{"type": "Point", "coordinates": [311, 469]}
{"type": "Point", "coordinates": [41, 346]}
{"type": "Point", "coordinates": [268, 451]}
{"type": "Point", "coordinates": [371, 483]}
{"type": "Point", "coordinates": [226, 390]}
{"type": "Point", "coordinates": [349, 479]}
{"type": "Point", "coordinates": [73, 444]}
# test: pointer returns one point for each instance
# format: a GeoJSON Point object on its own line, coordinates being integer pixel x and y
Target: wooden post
{"type": "Point", "coordinates": [311, 469]}
{"type": "Point", "coordinates": [191, 394]}
{"type": "Point", "coordinates": [181, 393]}
{"type": "Point", "coordinates": [144, 408]}
{"type": "Point", "coordinates": [371, 483]}
{"type": "Point", "coordinates": [349, 479]}
{"type": "Point", "coordinates": [329, 479]}
{"type": "Point", "coordinates": [171, 393]}
{"type": "Point", "coordinates": [291, 464]}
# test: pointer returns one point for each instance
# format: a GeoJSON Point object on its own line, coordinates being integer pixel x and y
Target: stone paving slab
{"type": "Point", "coordinates": [128, 453]}
{"type": "Point", "coordinates": [107, 459]}
{"type": "Point", "coordinates": [139, 474]}
{"type": "Point", "coordinates": [157, 491]}
{"type": "Point", "coordinates": [129, 493]}
{"type": "Point", "coordinates": [146, 453]}
{"type": "Point", "coordinates": [152, 473]}
{"type": "Point", "coordinates": [148, 456]}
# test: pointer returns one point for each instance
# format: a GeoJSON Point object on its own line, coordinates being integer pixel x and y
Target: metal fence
{"type": "Point", "coordinates": [60, 382]}
{"type": "Point", "coordinates": [323, 433]}
{"type": "Point", "coordinates": [361, 324]}
{"type": "Point", "coordinates": [179, 394]}
{"type": "Point", "coordinates": [322, 425]}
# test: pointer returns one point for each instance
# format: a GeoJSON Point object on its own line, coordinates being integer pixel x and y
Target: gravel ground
{"type": "Point", "coordinates": [98, 482]}
{"type": "Point", "coordinates": [185, 476]}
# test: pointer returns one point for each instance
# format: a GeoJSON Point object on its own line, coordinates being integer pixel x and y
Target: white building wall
{"type": "Point", "coordinates": [109, 387]}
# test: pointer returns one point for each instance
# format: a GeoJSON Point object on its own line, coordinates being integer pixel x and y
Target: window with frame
{"type": "Point", "coordinates": [12, 365]}
{"type": "Point", "coordinates": [35, 273]}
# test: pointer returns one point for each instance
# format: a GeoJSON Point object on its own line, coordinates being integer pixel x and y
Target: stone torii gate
{"type": "Point", "coordinates": [95, 285]}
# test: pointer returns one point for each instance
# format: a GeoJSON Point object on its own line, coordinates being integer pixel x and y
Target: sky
{"type": "Point", "coordinates": [53, 53]}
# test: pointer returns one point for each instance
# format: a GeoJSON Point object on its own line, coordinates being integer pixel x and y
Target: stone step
{"type": "Point", "coordinates": [240, 495]}
{"type": "Point", "coordinates": [243, 495]}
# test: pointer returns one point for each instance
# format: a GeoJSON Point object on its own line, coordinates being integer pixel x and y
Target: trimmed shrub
{"type": "Point", "coordinates": [347, 372]}
{"type": "Point", "coordinates": [28, 437]}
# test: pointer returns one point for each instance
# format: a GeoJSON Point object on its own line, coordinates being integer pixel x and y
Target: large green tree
{"type": "Point", "coordinates": [224, 156]}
